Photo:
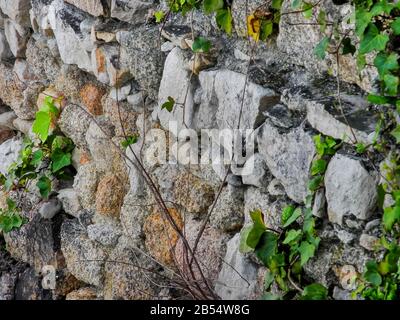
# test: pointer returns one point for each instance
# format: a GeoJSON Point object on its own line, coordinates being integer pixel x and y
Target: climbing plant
{"type": "Point", "coordinates": [48, 156]}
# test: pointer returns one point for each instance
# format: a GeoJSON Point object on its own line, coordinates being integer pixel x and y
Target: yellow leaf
{"type": "Point", "coordinates": [253, 27]}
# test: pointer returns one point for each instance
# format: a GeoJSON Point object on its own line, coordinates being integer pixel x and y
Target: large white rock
{"type": "Point", "coordinates": [72, 42]}
{"type": "Point", "coordinates": [9, 151]}
{"type": "Point", "coordinates": [17, 10]}
{"type": "Point", "coordinates": [176, 83]}
{"type": "Point", "coordinates": [17, 37]}
{"type": "Point", "coordinates": [288, 156]}
{"type": "Point", "coordinates": [237, 279]}
{"type": "Point", "coordinates": [350, 189]}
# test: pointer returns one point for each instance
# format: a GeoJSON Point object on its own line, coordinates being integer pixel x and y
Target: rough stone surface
{"type": "Point", "coordinates": [160, 236]}
{"type": "Point", "coordinates": [240, 285]}
{"type": "Point", "coordinates": [350, 189]}
{"type": "Point", "coordinates": [85, 185]}
{"type": "Point", "coordinates": [9, 151]}
{"type": "Point", "coordinates": [228, 213]}
{"type": "Point", "coordinates": [84, 258]}
{"type": "Point", "coordinates": [70, 201]}
{"type": "Point", "coordinates": [288, 157]}
{"type": "Point", "coordinates": [110, 196]}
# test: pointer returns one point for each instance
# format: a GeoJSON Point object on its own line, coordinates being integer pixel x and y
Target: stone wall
{"type": "Point", "coordinates": [109, 238]}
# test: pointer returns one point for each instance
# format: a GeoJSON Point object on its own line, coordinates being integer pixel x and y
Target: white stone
{"type": "Point", "coordinates": [237, 279]}
{"type": "Point", "coordinates": [132, 11]}
{"type": "Point", "coordinates": [255, 171]}
{"type": "Point", "coordinates": [17, 37]}
{"type": "Point", "coordinates": [288, 157]}
{"type": "Point", "coordinates": [17, 10]}
{"type": "Point", "coordinates": [49, 209]}
{"type": "Point", "coordinates": [70, 201]}
{"type": "Point", "coordinates": [9, 151]}
{"type": "Point", "coordinates": [350, 189]}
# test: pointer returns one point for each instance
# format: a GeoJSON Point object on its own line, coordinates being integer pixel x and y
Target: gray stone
{"type": "Point", "coordinates": [133, 214]}
{"type": "Point", "coordinates": [228, 213]}
{"type": "Point", "coordinates": [237, 279]}
{"type": "Point", "coordinates": [255, 171]}
{"type": "Point", "coordinates": [345, 236]}
{"type": "Point", "coordinates": [17, 37]}
{"type": "Point", "coordinates": [132, 11]}
{"type": "Point", "coordinates": [6, 120]}
{"type": "Point", "coordinates": [373, 224]}
{"type": "Point", "coordinates": [275, 188]}
{"type": "Point", "coordinates": [85, 185]}
{"type": "Point", "coordinates": [176, 83]}
{"type": "Point", "coordinates": [7, 285]}
{"type": "Point", "coordinates": [177, 35]}
{"type": "Point", "coordinates": [288, 157]}
{"type": "Point", "coordinates": [340, 294]}
{"type": "Point", "coordinates": [93, 7]}
{"type": "Point", "coordinates": [221, 101]}
{"type": "Point", "coordinates": [65, 21]}
{"type": "Point", "coordinates": [142, 42]}
{"type": "Point", "coordinates": [17, 10]}
{"type": "Point", "coordinates": [84, 258]}
{"type": "Point", "coordinates": [33, 243]}
{"type": "Point", "coordinates": [74, 123]}
{"type": "Point", "coordinates": [368, 242]}
{"type": "Point", "coordinates": [70, 201]}
{"type": "Point", "coordinates": [280, 116]}
{"type": "Point", "coordinates": [319, 204]}
{"type": "Point", "coordinates": [5, 52]}
{"type": "Point", "coordinates": [105, 234]}
{"type": "Point", "coordinates": [350, 189]}
{"type": "Point", "coordinates": [9, 152]}
{"type": "Point", "coordinates": [49, 209]}
{"type": "Point", "coordinates": [120, 94]}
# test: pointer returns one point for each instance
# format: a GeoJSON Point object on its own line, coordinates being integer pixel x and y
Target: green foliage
{"type": "Point", "coordinates": [159, 15]}
{"type": "Point", "coordinates": [201, 44]}
{"type": "Point", "coordinates": [169, 105]}
{"type": "Point", "coordinates": [10, 218]}
{"type": "Point", "coordinates": [315, 291]}
{"type": "Point", "coordinates": [52, 155]}
{"type": "Point", "coordinates": [130, 140]}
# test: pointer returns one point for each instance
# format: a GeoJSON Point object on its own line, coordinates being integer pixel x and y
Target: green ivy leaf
{"type": "Point", "coordinates": [378, 99]}
{"type": "Point", "coordinates": [267, 247]}
{"type": "Point", "coordinates": [41, 125]}
{"type": "Point", "coordinates": [244, 234]}
{"type": "Point", "coordinates": [213, 5]}
{"type": "Point", "coordinates": [159, 15]}
{"type": "Point", "coordinates": [391, 215]}
{"type": "Point", "coordinates": [255, 234]}
{"type": "Point", "coordinates": [372, 275]}
{"type": "Point", "coordinates": [391, 84]}
{"type": "Point", "coordinates": [396, 134]}
{"type": "Point", "coordinates": [315, 291]}
{"type": "Point", "coordinates": [360, 148]}
{"type": "Point", "coordinates": [201, 44]}
{"type": "Point", "coordinates": [37, 157]}
{"type": "Point", "coordinates": [363, 18]}
{"type": "Point", "coordinates": [169, 105]}
{"type": "Point", "coordinates": [224, 20]}
{"type": "Point", "coordinates": [322, 46]}
{"type": "Point", "coordinates": [130, 140]}
{"type": "Point", "coordinates": [307, 251]}
{"type": "Point", "coordinates": [44, 185]}
{"type": "Point", "coordinates": [315, 183]}
{"type": "Point", "coordinates": [318, 167]}
{"type": "Point", "coordinates": [292, 235]}
{"type": "Point", "coordinates": [293, 217]}
{"type": "Point", "coordinates": [384, 62]}
{"type": "Point", "coordinates": [307, 10]}
{"type": "Point", "coordinates": [277, 4]}
{"type": "Point", "coordinates": [322, 20]}
{"type": "Point", "coordinates": [373, 40]}
{"type": "Point", "coordinates": [267, 27]}
{"type": "Point", "coordinates": [60, 159]}
{"type": "Point", "coordinates": [395, 25]}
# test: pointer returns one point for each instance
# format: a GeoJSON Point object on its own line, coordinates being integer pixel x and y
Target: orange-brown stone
{"type": "Point", "coordinates": [161, 237]}
{"type": "Point", "coordinates": [91, 96]}
{"type": "Point", "coordinates": [110, 196]}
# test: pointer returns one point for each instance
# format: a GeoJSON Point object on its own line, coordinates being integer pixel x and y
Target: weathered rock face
{"type": "Point", "coordinates": [105, 231]}
{"type": "Point", "coordinates": [288, 157]}
{"type": "Point", "coordinates": [350, 189]}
